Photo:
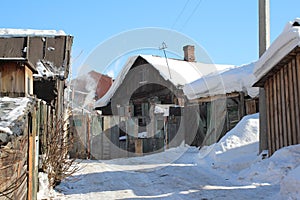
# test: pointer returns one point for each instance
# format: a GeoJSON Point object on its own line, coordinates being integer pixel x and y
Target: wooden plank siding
{"type": "Point", "coordinates": [280, 128]}
{"type": "Point", "coordinates": [297, 67]}
{"type": "Point", "coordinates": [283, 109]}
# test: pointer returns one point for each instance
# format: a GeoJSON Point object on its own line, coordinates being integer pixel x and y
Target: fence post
{"type": "Point", "coordinates": [88, 136]}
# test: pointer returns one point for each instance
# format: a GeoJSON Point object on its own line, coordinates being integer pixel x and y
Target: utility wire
{"type": "Point", "coordinates": [184, 7]}
{"type": "Point", "coordinates": [191, 15]}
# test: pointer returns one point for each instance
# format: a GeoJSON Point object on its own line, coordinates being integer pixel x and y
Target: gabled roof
{"type": "Point", "coordinates": [181, 72]}
{"type": "Point", "coordinates": [288, 40]}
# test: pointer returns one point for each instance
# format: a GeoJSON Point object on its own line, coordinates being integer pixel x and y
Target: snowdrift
{"type": "Point", "coordinates": [237, 149]}
{"type": "Point", "coordinates": [236, 156]}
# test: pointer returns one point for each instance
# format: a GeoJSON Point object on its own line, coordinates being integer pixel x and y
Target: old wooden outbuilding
{"type": "Point", "coordinates": [278, 72]}
{"type": "Point", "coordinates": [216, 103]}
{"type": "Point", "coordinates": [39, 57]}
{"type": "Point", "coordinates": [33, 68]}
{"type": "Point", "coordinates": [146, 102]}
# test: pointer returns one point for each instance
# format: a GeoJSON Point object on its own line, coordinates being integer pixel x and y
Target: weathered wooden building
{"type": "Point", "coordinates": [147, 97]}
{"type": "Point", "coordinates": [216, 103]}
{"type": "Point", "coordinates": [278, 72]}
{"type": "Point", "coordinates": [33, 66]}
{"type": "Point", "coordinates": [40, 58]}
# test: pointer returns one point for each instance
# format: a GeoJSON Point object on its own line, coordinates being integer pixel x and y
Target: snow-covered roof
{"type": "Point", "coordinates": [282, 46]}
{"type": "Point", "coordinates": [6, 32]}
{"type": "Point", "coordinates": [237, 79]}
{"type": "Point", "coordinates": [181, 72]}
{"type": "Point", "coordinates": [11, 111]}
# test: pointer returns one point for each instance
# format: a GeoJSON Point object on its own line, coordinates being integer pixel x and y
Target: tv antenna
{"type": "Point", "coordinates": [163, 47]}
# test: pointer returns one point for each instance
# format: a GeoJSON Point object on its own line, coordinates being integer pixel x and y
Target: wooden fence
{"type": "Point", "coordinates": [19, 159]}
{"type": "Point", "coordinates": [98, 137]}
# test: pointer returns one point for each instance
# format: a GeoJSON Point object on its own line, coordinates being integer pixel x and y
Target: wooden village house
{"type": "Point", "coordinates": [278, 72]}
{"type": "Point", "coordinates": [147, 107]}
{"type": "Point", "coordinates": [33, 68]}
{"type": "Point", "coordinates": [216, 103]}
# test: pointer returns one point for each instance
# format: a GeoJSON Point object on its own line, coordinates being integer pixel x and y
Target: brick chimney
{"type": "Point", "coordinates": [189, 53]}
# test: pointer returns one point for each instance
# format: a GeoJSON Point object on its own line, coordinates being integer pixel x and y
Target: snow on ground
{"type": "Point", "coordinates": [237, 149]}
{"type": "Point", "coordinates": [229, 169]}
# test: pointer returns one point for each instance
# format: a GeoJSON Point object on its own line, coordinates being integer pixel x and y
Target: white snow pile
{"type": "Point", "coordinates": [45, 192]}
{"type": "Point", "coordinates": [284, 44]}
{"type": "Point", "coordinates": [237, 149]}
{"type": "Point", "coordinates": [237, 79]}
{"type": "Point", "coordinates": [11, 109]}
{"type": "Point", "coordinates": [282, 168]}
{"type": "Point", "coordinates": [7, 32]}
{"type": "Point", "coordinates": [290, 185]}
{"type": "Point", "coordinates": [236, 157]}
{"type": "Point", "coordinates": [274, 169]}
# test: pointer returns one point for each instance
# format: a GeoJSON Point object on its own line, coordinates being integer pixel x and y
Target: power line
{"type": "Point", "coordinates": [184, 7]}
{"type": "Point", "coordinates": [193, 12]}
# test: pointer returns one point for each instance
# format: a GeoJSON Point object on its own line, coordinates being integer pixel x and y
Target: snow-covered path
{"type": "Point", "coordinates": [159, 176]}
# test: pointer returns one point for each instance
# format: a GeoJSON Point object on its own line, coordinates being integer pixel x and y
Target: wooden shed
{"type": "Point", "coordinates": [216, 103]}
{"type": "Point", "coordinates": [34, 63]}
{"type": "Point", "coordinates": [278, 72]}
{"type": "Point", "coordinates": [27, 123]}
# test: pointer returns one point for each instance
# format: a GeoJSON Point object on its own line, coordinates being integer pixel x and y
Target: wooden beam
{"type": "Point", "coordinates": [275, 113]}
{"type": "Point", "coordinates": [279, 103]}
{"type": "Point", "coordinates": [283, 106]}
{"type": "Point", "coordinates": [269, 141]}
{"type": "Point", "coordinates": [213, 98]}
{"type": "Point", "coordinates": [298, 89]}
{"type": "Point", "coordinates": [288, 107]}
{"type": "Point", "coordinates": [296, 100]}
{"type": "Point", "coordinates": [292, 104]}
{"type": "Point", "coordinates": [271, 116]}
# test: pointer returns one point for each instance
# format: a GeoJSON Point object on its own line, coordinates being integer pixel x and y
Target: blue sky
{"type": "Point", "coordinates": [227, 30]}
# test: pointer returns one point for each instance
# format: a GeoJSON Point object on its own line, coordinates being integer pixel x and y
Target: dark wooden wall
{"type": "Point", "coordinates": [208, 119]}
{"type": "Point", "coordinates": [283, 109]}
{"type": "Point", "coordinates": [55, 49]}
